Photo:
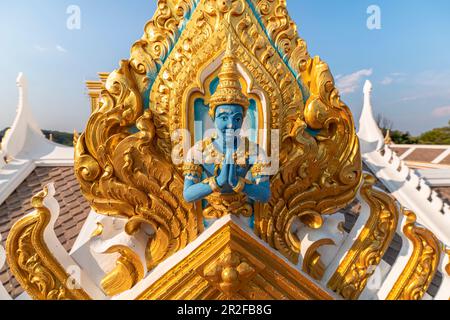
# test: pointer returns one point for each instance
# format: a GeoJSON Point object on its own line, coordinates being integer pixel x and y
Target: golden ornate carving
{"type": "Point", "coordinates": [447, 267]}
{"type": "Point", "coordinates": [418, 274]}
{"type": "Point", "coordinates": [229, 273]}
{"type": "Point", "coordinates": [262, 274]}
{"type": "Point", "coordinates": [98, 231]}
{"type": "Point", "coordinates": [94, 89]}
{"type": "Point", "coordinates": [131, 174]}
{"type": "Point", "coordinates": [360, 263]}
{"type": "Point", "coordinates": [312, 263]}
{"type": "Point", "coordinates": [220, 205]}
{"type": "Point", "coordinates": [387, 138]}
{"type": "Point", "coordinates": [125, 174]}
{"type": "Point", "coordinates": [31, 261]}
{"type": "Point", "coordinates": [127, 273]}
{"type": "Point", "coordinates": [229, 90]}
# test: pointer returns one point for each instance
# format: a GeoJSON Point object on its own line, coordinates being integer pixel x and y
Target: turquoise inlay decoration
{"type": "Point", "coordinates": [252, 222]}
{"type": "Point", "coordinates": [213, 85]}
{"type": "Point", "coordinates": [312, 132]}
{"type": "Point", "coordinates": [252, 115]}
{"type": "Point", "coordinates": [299, 81]}
{"type": "Point", "coordinates": [152, 76]}
{"type": "Point", "coordinates": [202, 119]}
{"type": "Point", "coordinates": [133, 129]}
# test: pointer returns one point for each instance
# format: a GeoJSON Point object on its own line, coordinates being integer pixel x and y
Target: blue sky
{"type": "Point", "coordinates": [408, 60]}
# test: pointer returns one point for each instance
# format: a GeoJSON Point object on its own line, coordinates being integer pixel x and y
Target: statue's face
{"type": "Point", "coordinates": [229, 117]}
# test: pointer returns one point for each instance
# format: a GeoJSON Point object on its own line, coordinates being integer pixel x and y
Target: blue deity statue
{"type": "Point", "coordinates": [227, 171]}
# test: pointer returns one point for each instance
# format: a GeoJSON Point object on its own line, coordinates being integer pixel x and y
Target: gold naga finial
{"type": "Point", "coordinates": [387, 138]}
{"type": "Point", "coordinates": [229, 90]}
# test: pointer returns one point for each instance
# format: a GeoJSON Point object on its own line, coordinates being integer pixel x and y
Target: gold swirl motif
{"type": "Point", "coordinates": [220, 205]}
{"type": "Point", "coordinates": [360, 263]}
{"type": "Point", "coordinates": [98, 231]}
{"type": "Point", "coordinates": [418, 274]}
{"type": "Point", "coordinates": [312, 262]}
{"type": "Point", "coordinates": [31, 261]}
{"type": "Point", "coordinates": [127, 273]}
{"type": "Point", "coordinates": [125, 174]}
{"type": "Point", "coordinates": [447, 267]}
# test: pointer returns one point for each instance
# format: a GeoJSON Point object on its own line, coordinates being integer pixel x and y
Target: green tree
{"type": "Point", "coordinates": [400, 137]}
{"type": "Point", "coordinates": [436, 136]}
{"type": "Point", "coordinates": [63, 138]}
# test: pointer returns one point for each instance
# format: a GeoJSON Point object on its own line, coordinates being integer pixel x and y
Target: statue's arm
{"type": "Point", "coordinates": [259, 189]}
{"type": "Point", "coordinates": [196, 191]}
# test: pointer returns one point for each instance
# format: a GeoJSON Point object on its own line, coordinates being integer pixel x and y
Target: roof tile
{"type": "Point", "coordinates": [424, 155]}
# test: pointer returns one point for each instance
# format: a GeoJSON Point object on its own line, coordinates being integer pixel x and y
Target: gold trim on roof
{"type": "Point", "coordinates": [447, 267]}
{"type": "Point", "coordinates": [312, 261]}
{"type": "Point", "coordinates": [422, 266]}
{"type": "Point", "coordinates": [32, 262]}
{"type": "Point", "coordinates": [360, 263]}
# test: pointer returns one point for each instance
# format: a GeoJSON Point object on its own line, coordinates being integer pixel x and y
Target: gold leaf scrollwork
{"type": "Point", "coordinates": [318, 175]}
{"type": "Point", "coordinates": [32, 263]}
{"type": "Point", "coordinates": [310, 166]}
{"type": "Point", "coordinates": [312, 262]}
{"type": "Point", "coordinates": [127, 273]}
{"type": "Point", "coordinates": [127, 174]}
{"type": "Point", "coordinates": [359, 264]}
{"type": "Point", "coordinates": [418, 274]}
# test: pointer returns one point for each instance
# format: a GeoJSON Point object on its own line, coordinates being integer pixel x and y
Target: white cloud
{"type": "Point", "coordinates": [350, 83]}
{"type": "Point", "coordinates": [412, 98]}
{"type": "Point", "coordinates": [61, 49]}
{"type": "Point", "coordinates": [387, 81]}
{"type": "Point", "coordinates": [442, 111]}
{"type": "Point", "coordinates": [40, 48]}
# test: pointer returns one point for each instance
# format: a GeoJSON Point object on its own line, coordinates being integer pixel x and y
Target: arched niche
{"type": "Point", "coordinates": [197, 120]}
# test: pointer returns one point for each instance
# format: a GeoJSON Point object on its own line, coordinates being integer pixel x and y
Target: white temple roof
{"type": "Point", "coordinates": [24, 147]}
{"type": "Point", "coordinates": [404, 183]}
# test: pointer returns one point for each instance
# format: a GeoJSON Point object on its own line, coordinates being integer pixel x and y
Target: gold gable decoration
{"type": "Point", "coordinates": [123, 163]}
{"type": "Point", "coordinates": [233, 265]}
{"type": "Point", "coordinates": [131, 174]}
